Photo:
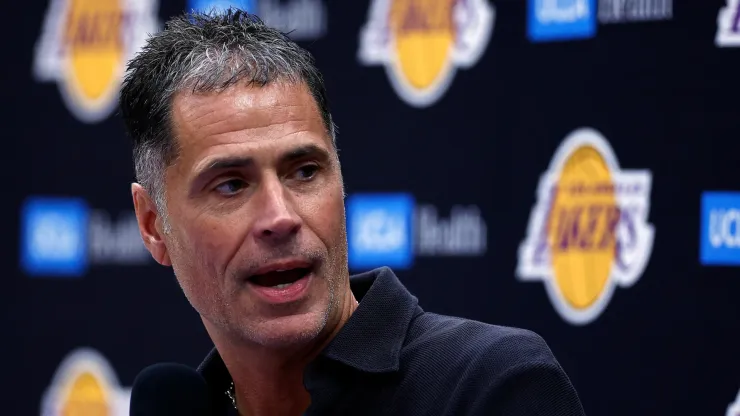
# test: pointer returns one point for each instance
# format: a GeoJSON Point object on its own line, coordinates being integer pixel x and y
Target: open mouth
{"type": "Point", "coordinates": [280, 279]}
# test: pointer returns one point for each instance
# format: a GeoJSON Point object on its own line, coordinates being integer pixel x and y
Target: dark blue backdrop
{"type": "Point", "coordinates": [543, 165]}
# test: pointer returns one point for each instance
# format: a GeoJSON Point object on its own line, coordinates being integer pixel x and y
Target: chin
{"type": "Point", "coordinates": [288, 331]}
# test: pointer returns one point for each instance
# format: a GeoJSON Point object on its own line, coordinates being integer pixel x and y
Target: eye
{"type": "Point", "coordinates": [307, 172]}
{"type": "Point", "coordinates": [230, 187]}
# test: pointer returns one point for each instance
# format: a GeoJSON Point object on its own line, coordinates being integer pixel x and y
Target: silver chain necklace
{"type": "Point", "coordinates": [232, 395]}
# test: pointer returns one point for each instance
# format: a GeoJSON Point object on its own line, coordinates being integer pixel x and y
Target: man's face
{"type": "Point", "coordinates": [256, 213]}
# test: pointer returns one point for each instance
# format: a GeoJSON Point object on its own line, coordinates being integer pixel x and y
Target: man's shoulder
{"type": "Point", "coordinates": [454, 343]}
{"type": "Point", "coordinates": [468, 367]}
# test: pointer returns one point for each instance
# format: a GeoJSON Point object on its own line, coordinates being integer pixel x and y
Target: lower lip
{"type": "Point", "coordinates": [288, 294]}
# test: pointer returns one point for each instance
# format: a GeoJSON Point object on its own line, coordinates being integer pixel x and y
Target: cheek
{"type": "Point", "coordinates": [328, 218]}
{"type": "Point", "coordinates": [206, 246]}
{"type": "Point", "coordinates": [198, 259]}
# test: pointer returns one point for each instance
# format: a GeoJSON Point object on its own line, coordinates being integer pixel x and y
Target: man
{"type": "Point", "coordinates": [240, 191]}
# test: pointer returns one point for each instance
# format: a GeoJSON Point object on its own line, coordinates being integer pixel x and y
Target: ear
{"type": "Point", "coordinates": [150, 224]}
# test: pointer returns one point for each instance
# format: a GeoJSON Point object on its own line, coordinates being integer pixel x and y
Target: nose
{"type": "Point", "coordinates": [277, 220]}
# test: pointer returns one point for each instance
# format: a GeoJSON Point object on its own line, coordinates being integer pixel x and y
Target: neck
{"type": "Point", "coordinates": [277, 390]}
{"type": "Point", "coordinates": [268, 381]}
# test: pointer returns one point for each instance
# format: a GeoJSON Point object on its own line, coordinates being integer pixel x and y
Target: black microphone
{"type": "Point", "coordinates": [170, 389]}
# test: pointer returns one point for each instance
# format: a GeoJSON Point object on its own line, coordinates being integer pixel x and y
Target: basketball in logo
{"type": "Point", "coordinates": [422, 42]}
{"type": "Point", "coordinates": [86, 396]}
{"type": "Point", "coordinates": [84, 47]}
{"type": "Point", "coordinates": [85, 384]}
{"type": "Point", "coordinates": [582, 226]}
{"type": "Point", "coordinates": [588, 231]}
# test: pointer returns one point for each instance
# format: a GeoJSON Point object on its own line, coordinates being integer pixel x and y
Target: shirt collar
{"type": "Point", "coordinates": [369, 341]}
{"type": "Point", "coordinates": [372, 338]}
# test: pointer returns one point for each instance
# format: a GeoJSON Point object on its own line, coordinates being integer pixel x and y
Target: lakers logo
{"type": "Point", "coordinates": [85, 385]}
{"type": "Point", "coordinates": [84, 47]}
{"type": "Point", "coordinates": [423, 42]}
{"type": "Point", "coordinates": [734, 408]}
{"type": "Point", "coordinates": [588, 232]}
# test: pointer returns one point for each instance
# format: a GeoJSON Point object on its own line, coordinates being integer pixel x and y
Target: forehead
{"type": "Point", "coordinates": [243, 117]}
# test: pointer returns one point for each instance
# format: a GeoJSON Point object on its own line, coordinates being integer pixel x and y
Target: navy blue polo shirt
{"type": "Point", "coordinates": [392, 358]}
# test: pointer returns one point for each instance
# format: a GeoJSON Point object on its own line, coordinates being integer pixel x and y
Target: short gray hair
{"type": "Point", "coordinates": [204, 52]}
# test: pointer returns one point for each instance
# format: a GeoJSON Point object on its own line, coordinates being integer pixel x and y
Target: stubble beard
{"type": "Point", "coordinates": [276, 338]}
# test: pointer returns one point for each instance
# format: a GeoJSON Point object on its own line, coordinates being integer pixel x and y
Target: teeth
{"type": "Point", "coordinates": [283, 285]}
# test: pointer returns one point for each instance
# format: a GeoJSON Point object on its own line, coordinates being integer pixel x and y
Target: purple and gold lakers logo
{"type": "Point", "coordinates": [85, 384]}
{"type": "Point", "coordinates": [588, 232]}
{"type": "Point", "coordinates": [422, 43]}
{"type": "Point", "coordinates": [728, 25]}
{"type": "Point", "coordinates": [84, 47]}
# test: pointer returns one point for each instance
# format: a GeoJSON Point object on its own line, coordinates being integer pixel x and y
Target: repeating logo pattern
{"type": "Point", "coordinates": [588, 232]}
{"type": "Point", "coordinates": [84, 47]}
{"type": "Point", "coordinates": [421, 43]}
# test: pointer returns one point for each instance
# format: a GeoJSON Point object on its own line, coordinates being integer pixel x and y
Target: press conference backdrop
{"type": "Point", "coordinates": [569, 167]}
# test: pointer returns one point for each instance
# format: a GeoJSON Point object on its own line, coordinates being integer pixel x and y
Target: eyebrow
{"type": "Point", "coordinates": [303, 152]}
{"type": "Point", "coordinates": [240, 162]}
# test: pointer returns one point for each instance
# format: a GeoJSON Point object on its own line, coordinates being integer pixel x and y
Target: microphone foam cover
{"type": "Point", "coordinates": [170, 389]}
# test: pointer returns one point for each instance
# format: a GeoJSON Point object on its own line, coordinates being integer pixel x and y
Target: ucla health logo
{"type": "Point", "coordinates": [720, 228]}
{"type": "Point", "coordinates": [588, 232]}
{"type": "Point", "coordinates": [391, 230]}
{"type": "Point", "coordinates": [379, 230]}
{"type": "Point", "coordinates": [84, 47]}
{"type": "Point", "coordinates": [301, 19]}
{"type": "Point", "coordinates": [63, 237]}
{"type": "Point", "coordinates": [54, 237]}
{"type": "Point", "coordinates": [552, 20]}
{"type": "Point", "coordinates": [421, 43]}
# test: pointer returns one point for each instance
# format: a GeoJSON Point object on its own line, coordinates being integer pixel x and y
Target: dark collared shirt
{"type": "Point", "coordinates": [392, 358]}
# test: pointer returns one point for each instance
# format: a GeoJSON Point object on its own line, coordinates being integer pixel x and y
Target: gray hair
{"type": "Point", "coordinates": [204, 52]}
